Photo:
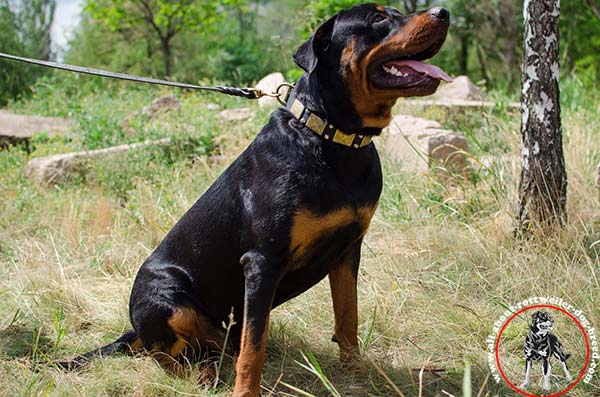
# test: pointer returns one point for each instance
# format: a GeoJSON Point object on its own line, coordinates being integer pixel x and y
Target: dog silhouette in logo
{"type": "Point", "coordinates": [541, 345]}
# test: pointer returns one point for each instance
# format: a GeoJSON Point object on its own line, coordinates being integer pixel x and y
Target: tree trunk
{"type": "Point", "coordinates": [464, 53]}
{"type": "Point", "coordinates": [483, 67]}
{"type": "Point", "coordinates": [543, 185]}
{"type": "Point", "coordinates": [166, 50]}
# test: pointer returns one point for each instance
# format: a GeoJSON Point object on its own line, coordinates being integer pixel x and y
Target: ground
{"type": "Point", "coordinates": [439, 266]}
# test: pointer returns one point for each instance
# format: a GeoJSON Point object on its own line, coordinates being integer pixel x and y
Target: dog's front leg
{"type": "Point", "coordinates": [547, 374]}
{"type": "Point", "coordinates": [261, 281]}
{"type": "Point", "coordinates": [343, 292]}
{"type": "Point", "coordinates": [527, 373]}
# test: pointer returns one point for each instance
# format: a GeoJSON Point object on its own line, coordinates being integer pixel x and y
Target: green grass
{"type": "Point", "coordinates": [439, 263]}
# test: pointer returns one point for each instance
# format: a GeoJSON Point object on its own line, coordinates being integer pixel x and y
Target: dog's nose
{"type": "Point", "coordinates": [440, 13]}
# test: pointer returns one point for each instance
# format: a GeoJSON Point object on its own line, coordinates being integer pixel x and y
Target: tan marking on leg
{"type": "Point", "coordinates": [343, 293]}
{"type": "Point", "coordinates": [196, 329]}
{"type": "Point", "coordinates": [136, 346]}
{"type": "Point", "coordinates": [250, 362]}
{"type": "Point", "coordinates": [194, 332]}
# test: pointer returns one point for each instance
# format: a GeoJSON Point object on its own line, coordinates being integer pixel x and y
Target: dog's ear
{"type": "Point", "coordinates": [308, 54]}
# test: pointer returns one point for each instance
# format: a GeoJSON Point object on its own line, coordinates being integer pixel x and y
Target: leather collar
{"type": "Point", "coordinates": [322, 128]}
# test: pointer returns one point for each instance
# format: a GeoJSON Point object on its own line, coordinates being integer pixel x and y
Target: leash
{"type": "Point", "coordinates": [287, 98]}
{"type": "Point", "coordinates": [248, 93]}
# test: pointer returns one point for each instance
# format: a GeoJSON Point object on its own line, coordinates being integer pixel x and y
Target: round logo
{"type": "Point", "coordinates": [543, 347]}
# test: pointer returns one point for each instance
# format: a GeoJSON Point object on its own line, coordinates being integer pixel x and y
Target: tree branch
{"type": "Point", "coordinates": [595, 8]}
{"type": "Point", "coordinates": [149, 17]}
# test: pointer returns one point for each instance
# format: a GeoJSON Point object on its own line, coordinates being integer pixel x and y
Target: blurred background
{"type": "Point", "coordinates": [239, 41]}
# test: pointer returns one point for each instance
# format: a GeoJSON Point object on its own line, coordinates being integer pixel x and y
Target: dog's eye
{"type": "Point", "coordinates": [379, 18]}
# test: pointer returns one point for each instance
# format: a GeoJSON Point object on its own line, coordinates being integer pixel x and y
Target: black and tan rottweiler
{"type": "Point", "coordinates": [541, 345]}
{"type": "Point", "coordinates": [294, 206]}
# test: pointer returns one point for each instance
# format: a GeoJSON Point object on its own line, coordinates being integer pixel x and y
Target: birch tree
{"type": "Point", "coordinates": [543, 185]}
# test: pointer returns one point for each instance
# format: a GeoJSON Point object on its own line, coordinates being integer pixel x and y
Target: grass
{"type": "Point", "coordinates": [439, 264]}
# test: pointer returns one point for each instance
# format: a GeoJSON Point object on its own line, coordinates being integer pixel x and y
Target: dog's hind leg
{"type": "Point", "coordinates": [562, 357]}
{"type": "Point", "coordinates": [528, 364]}
{"type": "Point", "coordinates": [547, 373]}
{"type": "Point", "coordinates": [177, 336]}
{"type": "Point", "coordinates": [563, 361]}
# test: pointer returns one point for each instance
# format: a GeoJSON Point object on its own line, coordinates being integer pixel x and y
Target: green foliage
{"type": "Point", "coordinates": [25, 31]}
{"type": "Point", "coordinates": [580, 40]}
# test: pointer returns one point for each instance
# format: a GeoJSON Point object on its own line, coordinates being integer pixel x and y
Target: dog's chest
{"type": "Point", "coordinates": [318, 236]}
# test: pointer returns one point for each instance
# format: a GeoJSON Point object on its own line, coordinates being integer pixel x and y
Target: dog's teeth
{"type": "Point", "coordinates": [393, 71]}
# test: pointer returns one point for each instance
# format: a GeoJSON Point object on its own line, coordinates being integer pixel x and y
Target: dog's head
{"type": "Point", "coordinates": [541, 322]}
{"type": "Point", "coordinates": [371, 55]}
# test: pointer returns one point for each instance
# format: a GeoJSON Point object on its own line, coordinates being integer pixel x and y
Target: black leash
{"type": "Point", "coordinates": [248, 93]}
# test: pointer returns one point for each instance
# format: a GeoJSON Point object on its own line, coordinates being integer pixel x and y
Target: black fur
{"type": "Point", "coordinates": [231, 249]}
{"type": "Point", "coordinates": [541, 345]}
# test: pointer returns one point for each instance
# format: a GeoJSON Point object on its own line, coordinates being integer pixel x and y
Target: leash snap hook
{"type": "Point", "coordinates": [282, 97]}
{"type": "Point", "coordinates": [280, 94]}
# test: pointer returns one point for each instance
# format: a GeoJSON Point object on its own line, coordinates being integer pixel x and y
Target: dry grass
{"type": "Point", "coordinates": [438, 267]}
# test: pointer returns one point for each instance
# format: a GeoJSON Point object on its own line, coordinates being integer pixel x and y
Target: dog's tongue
{"type": "Point", "coordinates": [422, 67]}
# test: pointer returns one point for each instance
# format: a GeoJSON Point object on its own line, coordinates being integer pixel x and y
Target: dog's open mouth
{"type": "Point", "coordinates": [406, 73]}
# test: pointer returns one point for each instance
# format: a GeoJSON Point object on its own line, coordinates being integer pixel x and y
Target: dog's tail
{"type": "Point", "coordinates": [128, 343]}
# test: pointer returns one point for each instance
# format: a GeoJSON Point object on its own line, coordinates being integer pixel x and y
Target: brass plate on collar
{"type": "Point", "coordinates": [297, 108]}
{"type": "Point", "coordinates": [343, 138]}
{"type": "Point", "coordinates": [366, 140]}
{"type": "Point", "coordinates": [315, 123]}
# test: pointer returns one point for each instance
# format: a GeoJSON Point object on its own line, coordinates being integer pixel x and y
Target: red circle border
{"type": "Point", "coordinates": [587, 352]}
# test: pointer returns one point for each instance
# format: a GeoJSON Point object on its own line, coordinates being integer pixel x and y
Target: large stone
{"type": "Point", "coordinates": [269, 83]}
{"type": "Point", "coordinates": [52, 169]}
{"type": "Point", "coordinates": [238, 114]}
{"type": "Point", "coordinates": [159, 105]}
{"type": "Point", "coordinates": [462, 88]}
{"type": "Point", "coordinates": [17, 129]}
{"type": "Point", "coordinates": [162, 104]}
{"type": "Point", "coordinates": [419, 145]}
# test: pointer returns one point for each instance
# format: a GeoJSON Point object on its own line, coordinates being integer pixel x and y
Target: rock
{"type": "Point", "coordinates": [489, 162]}
{"type": "Point", "coordinates": [269, 83]}
{"type": "Point", "coordinates": [162, 104]}
{"type": "Point", "coordinates": [17, 129]}
{"type": "Point", "coordinates": [424, 104]}
{"type": "Point", "coordinates": [462, 88]}
{"type": "Point", "coordinates": [159, 105]}
{"type": "Point", "coordinates": [235, 114]}
{"type": "Point", "coordinates": [52, 169]}
{"type": "Point", "coordinates": [420, 145]}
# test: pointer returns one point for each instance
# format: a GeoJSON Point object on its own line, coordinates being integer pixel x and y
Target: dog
{"type": "Point", "coordinates": [540, 344]}
{"type": "Point", "coordinates": [293, 208]}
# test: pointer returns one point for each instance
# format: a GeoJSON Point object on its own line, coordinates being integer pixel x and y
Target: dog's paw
{"type": "Point", "coordinates": [569, 378]}
{"type": "Point", "coordinates": [524, 385]}
{"type": "Point", "coordinates": [353, 363]}
{"type": "Point", "coordinates": [546, 386]}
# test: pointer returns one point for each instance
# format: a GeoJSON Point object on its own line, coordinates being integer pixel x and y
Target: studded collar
{"type": "Point", "coordinates": [322, 128]}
